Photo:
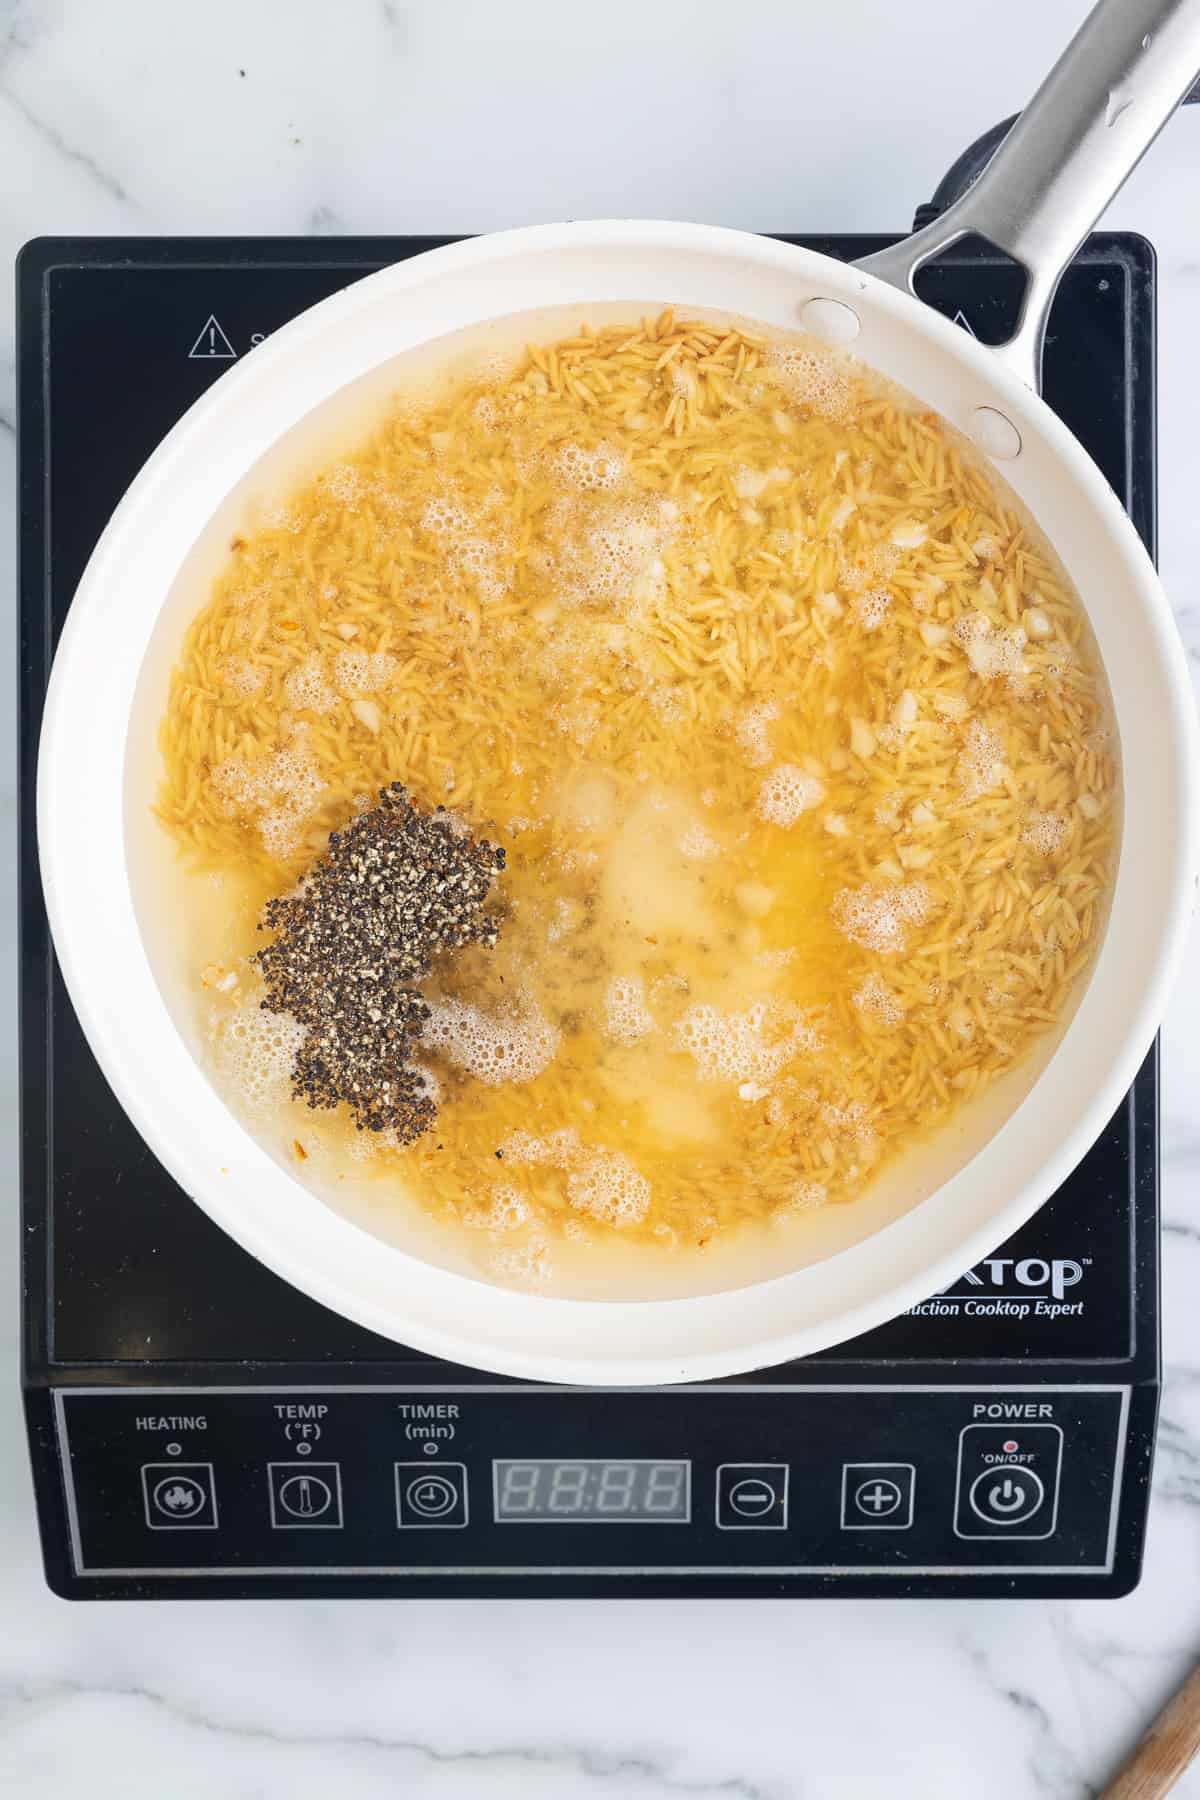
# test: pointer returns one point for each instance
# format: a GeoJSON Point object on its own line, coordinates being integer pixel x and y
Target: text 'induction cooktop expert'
{"type": "Point", "coordinates": [199, 1428]}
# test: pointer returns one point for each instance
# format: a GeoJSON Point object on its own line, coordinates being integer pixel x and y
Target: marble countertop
{"type": "Point", "coordinates": [124, 116]}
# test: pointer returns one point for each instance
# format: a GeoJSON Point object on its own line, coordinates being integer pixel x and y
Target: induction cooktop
{"type": "Point", "coordinates": [199, 1428]}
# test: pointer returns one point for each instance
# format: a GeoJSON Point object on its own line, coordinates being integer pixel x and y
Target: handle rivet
{"type": "Point", "coordinates": [830, 320]}
{"type": "Point", "coordinates": [994, 434]}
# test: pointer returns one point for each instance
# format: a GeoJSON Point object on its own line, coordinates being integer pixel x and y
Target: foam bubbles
{"type": "Point", "coordinates": [609, 1188]}
{"type": "Point", "coordinates": [508, 1048]}
{"type": "Point", "coordinates": [243, 678]}
{"type": "Point", "coordinates": [444, 517]}
{"type": "Point", "coordinates": [592, 470]}
{"type": "Point", "coordinates": [981, 766]}
{"type": "Point", "coordinates": [526, 1264]}
{"type": "Point", "coordinates": [813, 378]}
{"type": "Point", "coordinates": [256, 1051]}
{"type": "Point", "coordinates": [279, 793]}
{"type": "Point", "coordinates": [872, 609]}
{"type": "Point", "coordinates": [617, 556]}
{"type": "Point", "coordinates": [753, 739]}
{"type": "Point", "coordinates": [878, 918]}
{"type": "Point", "coordinates": [698, 845]}
{"type": "Point", "coordinates": [307, 689]}
{"type": "Point", "coordinates": [626, 1016]}
{"type": "Point", "coordinates": [427, 1083]}
{"type": "Point", "coordinates": [523, 1147]}
{"type": "Point", "coordinates": [568, 916]}
{"type": "Point", "coordinates": [848, 1122]}
{"type": "Point", "coordinates": [281, 830]}
{"type": "Point", "coordinates": [1046, 832]}
{"type": "Point", "coordinates": [864, 578]}
{"type": "Point", "coordinates": [805, 1197]}
{"type": "Point", "coordinates": [786, 793]}
{"type": "Point", "coordinates": [668, 705]}
{"type": "Point", "coordinates": [508, 1210]}
{"type": "Point", "coordinates": [358, 672]}
{"type": "Point", "coordinates": [600, 547]}
{"type": "Point", "coordinates": [992, 653]}
{"type": "Point", "coordinates": [776, 959]}
{"type": "Point", "coordinates": [469, 552]}
{"type": "Point", "coordinates": [343, 483]}
{"type": "Point", "coordinates": [478, 558]}
{"type": "Point", "coordinates": [877, 1001]}
{"type": "Point", "coordinates": [743, 1046]}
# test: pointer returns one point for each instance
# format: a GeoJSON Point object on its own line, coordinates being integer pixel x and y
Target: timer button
{"type": "Point", "coordinates": [752, 1496]}
{"type": "Point", "coordinates": [431, 1498]}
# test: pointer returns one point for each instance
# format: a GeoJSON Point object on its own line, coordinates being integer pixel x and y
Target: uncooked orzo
{"type": "Point", "coordinates": [789, 725]}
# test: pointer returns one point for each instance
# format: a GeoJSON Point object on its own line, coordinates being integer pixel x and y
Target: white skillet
{"type": "Point", "coordinates": [1083, 132]}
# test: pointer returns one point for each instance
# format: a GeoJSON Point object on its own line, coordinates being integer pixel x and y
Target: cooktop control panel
{"type": "Point", "coordinates": [541, 1481]}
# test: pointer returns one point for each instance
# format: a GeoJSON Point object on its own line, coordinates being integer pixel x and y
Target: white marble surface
{"type": "Point", "coordinates": [374, 116]}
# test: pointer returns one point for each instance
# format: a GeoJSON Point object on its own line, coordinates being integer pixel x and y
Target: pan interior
{"type": "Point", "coordinates": [165, 892]}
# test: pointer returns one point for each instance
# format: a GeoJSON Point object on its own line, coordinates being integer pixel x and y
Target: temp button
{"type": "Point", "coordinates": [305, 1496]}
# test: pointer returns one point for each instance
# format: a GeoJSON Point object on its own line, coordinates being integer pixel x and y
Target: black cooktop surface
{"type": "Point", "coordinates": [199, 1427]}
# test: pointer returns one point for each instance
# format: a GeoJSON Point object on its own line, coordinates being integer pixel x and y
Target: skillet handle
{"type": "Point", "coordinates": [1100, 108]}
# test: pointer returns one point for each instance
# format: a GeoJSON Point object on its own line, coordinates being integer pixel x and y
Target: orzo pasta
{"type": "Point", "coordinates": [789, 725]}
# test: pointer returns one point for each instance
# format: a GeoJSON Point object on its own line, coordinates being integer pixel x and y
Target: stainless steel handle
{"type": "Point", "coordinates": [1100, 108]}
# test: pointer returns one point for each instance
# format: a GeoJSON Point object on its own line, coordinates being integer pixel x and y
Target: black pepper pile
{"type": "Point", "coordinates": [395, 888]}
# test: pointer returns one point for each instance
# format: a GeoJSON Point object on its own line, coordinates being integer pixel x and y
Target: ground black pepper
{"type": "Point", "coordinates": [395, 889]}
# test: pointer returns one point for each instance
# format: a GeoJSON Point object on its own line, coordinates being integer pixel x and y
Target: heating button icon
{"type": "Point", "coordinates": [179, 1496]}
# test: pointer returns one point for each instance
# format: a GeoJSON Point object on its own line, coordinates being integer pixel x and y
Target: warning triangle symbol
{"type": "Point", "coordinates": [212, 345]}
{"type": "Point", "coordinates": [960, 318]}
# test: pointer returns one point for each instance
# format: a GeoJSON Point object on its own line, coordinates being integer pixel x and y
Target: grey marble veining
{"type": "Point", "coordinates": [374, 116]}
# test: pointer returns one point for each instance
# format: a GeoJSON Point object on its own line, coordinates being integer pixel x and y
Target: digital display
{"type": "Point", "coordinates": [638, 1490]}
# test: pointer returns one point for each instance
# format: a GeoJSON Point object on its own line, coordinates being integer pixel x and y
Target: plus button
{"type": "Point", "coordinates": [877, 1495]}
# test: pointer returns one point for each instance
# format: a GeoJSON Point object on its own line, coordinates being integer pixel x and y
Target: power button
{"type": "Point", "coordinates": [1008, 1481]}
{"type": "Point", "coordinates": [1006, 1497]}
